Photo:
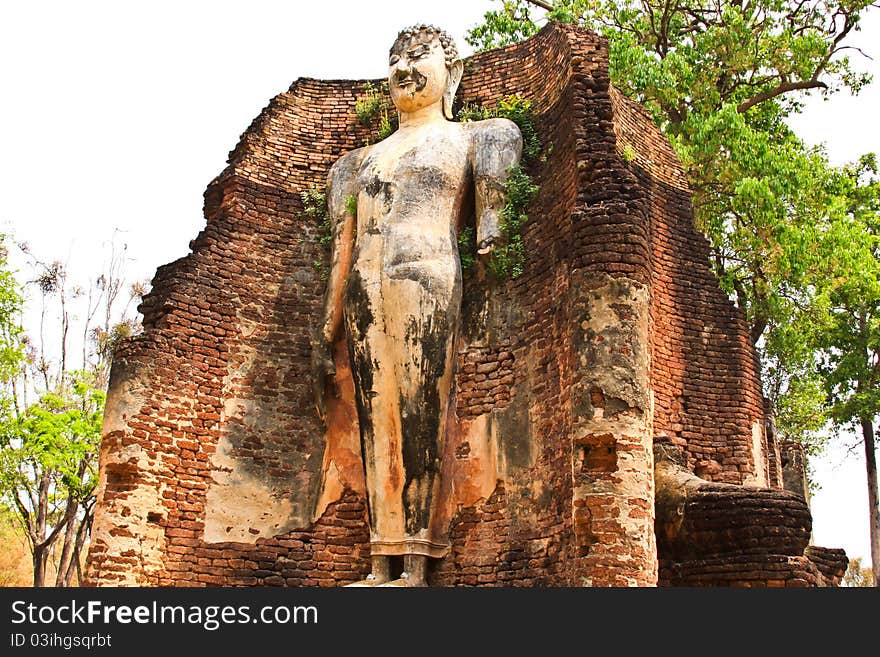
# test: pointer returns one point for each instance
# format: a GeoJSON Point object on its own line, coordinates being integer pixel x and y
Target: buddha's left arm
{"type": "Point", "coordinates": [497, 146]}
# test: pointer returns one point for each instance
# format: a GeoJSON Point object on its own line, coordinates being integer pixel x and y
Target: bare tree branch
{"type": "Point", "coordinates": [25, 514]}
{"type": "Point", "coordinates": [780, 89]}
{"type": "Point", "coordinates": [51, 538]}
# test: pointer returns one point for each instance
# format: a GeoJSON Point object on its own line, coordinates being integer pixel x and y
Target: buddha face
{"type": "Point", "coordinates": [418, 76]}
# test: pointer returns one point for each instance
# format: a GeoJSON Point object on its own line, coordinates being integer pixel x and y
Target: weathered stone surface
{"type": "Point", "coordinates": [766, 570]}
{"type": "Point", "coordinates": [794, 469]}
{"type": "Point", "coordinates": [832, 563]}
{"type": "Point", "coordinates": [712, 534]}
{"type": "Point", "coordinates": [699, 519]}
{"type": "Point", "coordinates": [612, 461]}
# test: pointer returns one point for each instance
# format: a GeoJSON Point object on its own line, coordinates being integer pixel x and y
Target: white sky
{"type": "Point", "coordinates": [116, 115]}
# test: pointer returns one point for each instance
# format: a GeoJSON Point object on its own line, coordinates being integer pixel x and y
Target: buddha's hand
{"type": "Point", "coordinates": [486, 246]}
{"type": "Point", "coordinates": [323, 373]}
{"type": "Point", "coordinates": [488, 232]}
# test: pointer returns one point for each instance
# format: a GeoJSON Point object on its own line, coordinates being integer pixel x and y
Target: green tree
{"type": "Point", "coordinates": [857, 575]}
{"type": "Point", "coordinates": [848, 331]}
{"type": "Point", "coordinates": [720, 79]}
{"type": "Point", "coordinates": [48, 463]}
{"type": "Point", "coordinates": [11, 332]}
{"type": "Point", "coordinates": [49, 447]}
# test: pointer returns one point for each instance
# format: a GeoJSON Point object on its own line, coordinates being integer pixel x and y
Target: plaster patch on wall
{"type": "Point", "coordinates": [759, 478]}
{"type": "Point", "coordinates": [240, 507]}
{"type": "Point", "coordinates": [252, 496]}
{"type": "Point", "coordinates": [136, 532]}
{"type": "Point", "coordinates": [612, 457]}
{"type": "Point", "coordinates": [127, 393]}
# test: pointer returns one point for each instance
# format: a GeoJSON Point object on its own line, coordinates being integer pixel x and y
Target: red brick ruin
{"type": "Point", "coordinates": [609, 425]}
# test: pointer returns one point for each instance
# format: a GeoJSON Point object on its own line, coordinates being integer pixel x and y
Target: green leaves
{"type": "Point", "coordinates": [847, 285]}
{"type": "Point", "coordinates": [314, 202]}
{"type": "Point", "coordinates": [467, 246]}
{"type": "Point", "coordinates": [11, 333]}
{"type": "Point", "coordinates": [501, 28]}
{"type": "Point", "coordinates": [376, 103]}
{"type": "Point", "coordinates": [371, 104]}
{"type": "Point", "coordinates": [801, 412]}
{"type": "Point", "coordinates": [351, 205]}
{"type": "Point", "coordinates": [517, 109]}
{"type": "Point", "coordinates": [55, 435]}
{"type": "Point", "coordinates": [508, 259]}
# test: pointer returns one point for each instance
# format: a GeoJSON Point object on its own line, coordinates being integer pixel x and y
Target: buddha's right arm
{"type": "Point", "coordinates": [342, 226]}
{"type": "Point", "coordinates": [341, 186]}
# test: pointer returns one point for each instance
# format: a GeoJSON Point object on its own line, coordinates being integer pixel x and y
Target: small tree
{"type": "Point", "coordinates": [857, 575]}
{"type": "Point", "coordinates": [48, 460]}
{"type": "Point", "coordinates": [849, 331]}
{"type": "Point", "coordinates": [49, 448]}
{"type": "Point", "coordinates": [11, 333]}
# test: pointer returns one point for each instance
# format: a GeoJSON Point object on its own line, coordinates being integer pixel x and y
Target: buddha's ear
{"type": "Point", "coordinates": [455, 72]}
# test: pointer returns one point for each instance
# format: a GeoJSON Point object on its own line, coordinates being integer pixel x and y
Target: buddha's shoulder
{"type": "Point", "coordinates": [348, 163]}
{"type": "Point", "coordinates": [497, 130]}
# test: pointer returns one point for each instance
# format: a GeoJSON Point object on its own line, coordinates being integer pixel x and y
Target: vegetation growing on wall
{"type": "Point", "coordinates": [314, 201]}
{"type": "Point", "coordinates": [517, 109]}
{"type": "Point", "coordinates": [467, 247]}
{"type": "Point", "coordinates": [376, 104]}
{"type": "Point", "coordinates": [507, 259]}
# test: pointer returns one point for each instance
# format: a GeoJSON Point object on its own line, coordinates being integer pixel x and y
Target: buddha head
{"type": "Point", "coordinates": [424, 69]}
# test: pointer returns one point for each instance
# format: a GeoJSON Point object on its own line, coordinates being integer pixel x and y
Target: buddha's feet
{"type": "Point", "coordinates": [380, 575]}
{"type": "Point", "coordinates": [371, 580]}
{"type": "Point", "coordinates": [408, 580]}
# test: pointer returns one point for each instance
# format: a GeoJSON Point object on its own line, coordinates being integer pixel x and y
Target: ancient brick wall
{"type": "Point", "coordinates": [816, 567]}
{"type": "Point", "coordinates": [705, 376]}
{"type": "Point", "coordinates": [215, 470]}
{"type": "Point", "coordinates": [217, 386]}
